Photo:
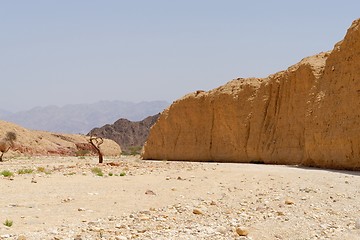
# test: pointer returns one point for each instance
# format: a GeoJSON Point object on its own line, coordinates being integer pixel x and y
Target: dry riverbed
{"type": "Point", "coordinates": [128, 198]}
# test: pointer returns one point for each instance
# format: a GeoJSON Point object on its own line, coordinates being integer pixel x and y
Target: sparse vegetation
{"type": "Point", "coordinates": [25, 171]}
{"type": "Point", "coordinates": [133, 150]}
{"type": "Point", "coordinates": [8, 223]}
{"type": "Point", "coordinates": [70, 174]}
{"type": "Point", "coordinates": [122, 174]}
{"type": "Point", "coordinates": [7, 173]}
{"type": "Point", "coordinates": [111, 174]}
{"type": "Point", "coordinates": [97, 171]}
{"type": "Point", "coordinates": [43, 170]}
{"type": "Point", "coordinates": [82, 153]}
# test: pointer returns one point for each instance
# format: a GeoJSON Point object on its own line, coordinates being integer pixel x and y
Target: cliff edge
{"type": "Point", "coordinates": [307, 114]}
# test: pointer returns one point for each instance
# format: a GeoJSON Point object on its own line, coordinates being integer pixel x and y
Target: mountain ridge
{"type": "Point", "coordinates": [81, 118]}
{"type": "Point", "coordinates": [130, 135]}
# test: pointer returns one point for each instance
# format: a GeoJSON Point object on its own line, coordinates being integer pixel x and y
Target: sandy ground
{"type": "Point", "coordinates": [63, 199]}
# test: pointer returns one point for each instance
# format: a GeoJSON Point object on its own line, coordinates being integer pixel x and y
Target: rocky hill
{"type": "Point", "coordinates": [308, 114]}
{"type": "Point", "coordinates": [81, 118]}
{"type": "Point", "coordinates": [30, 143]}
{"type": "Point", "coordinates": [131, 136]}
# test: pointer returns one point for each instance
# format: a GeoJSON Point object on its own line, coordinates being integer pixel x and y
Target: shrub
{"type": "Point", "coordinates": [122, 174]}
{"type": "Point", "coordinates": [7, 173]}
{"type": "Point", "coordinates": [43, 170]}
{"type": "Point", "coordinates": [97, 171]}
{"type": "Point", "coordinates": [25, 171]}
{"type": "Point", "coordinates": [8, 223]}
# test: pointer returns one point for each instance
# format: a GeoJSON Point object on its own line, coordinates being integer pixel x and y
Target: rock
{"type": "Point", "coordinates": [121, 238]}
{"type": "Point", "coordinates": [289, 201]}
{"type": "Point", "coordinates": [197, 211]}
{"type": "Point", "coordinates": [241, 231]}
{"type": "Point", "coordinates": [281, 119]}
{"type": "Point", "coordinates": [143, 218]}
{"type": "Point", "coordinates": [357, 223]}
{"type": "Point", "coordinates": [221, 229]}
{"type": "Point", "coordinates": [149, 192]}
{"type": "Point", "coordinates": [81, 209]}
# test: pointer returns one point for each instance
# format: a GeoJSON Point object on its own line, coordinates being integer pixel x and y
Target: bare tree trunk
{"type": "Point", "coordinates": [96, 142]}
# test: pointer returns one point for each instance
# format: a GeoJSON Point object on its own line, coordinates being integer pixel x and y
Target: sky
{"type": "Point", "coordinates": [84, 51]}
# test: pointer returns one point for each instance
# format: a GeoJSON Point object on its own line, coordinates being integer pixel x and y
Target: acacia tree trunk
{"type": "Point", "coordinates": [96, 142]}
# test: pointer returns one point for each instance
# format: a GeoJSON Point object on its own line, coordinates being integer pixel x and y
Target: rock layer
{"type": "Point", "coordinates": [305, 115]}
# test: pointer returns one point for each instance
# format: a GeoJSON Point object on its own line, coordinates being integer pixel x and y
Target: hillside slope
{"type": "Point", "coordinates": [32, 143]}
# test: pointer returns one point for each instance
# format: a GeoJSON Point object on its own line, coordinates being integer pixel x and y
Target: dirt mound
{"type": "Point", "coordinates": [306, 115]}
{"type": "Point", "coordinates": [131, 136]}
{"type": "Point", "coordinates": [31, 143]}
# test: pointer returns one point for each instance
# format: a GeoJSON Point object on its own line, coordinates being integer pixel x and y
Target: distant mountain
{"type": "Point", "coordinates": [4, 113]}
{"type": "Point", "coordinates": [131, 136]}
{"type": "Point", "coordinates": [81, 118]}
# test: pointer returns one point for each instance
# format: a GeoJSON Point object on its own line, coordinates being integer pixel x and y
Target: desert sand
{"type": "Point", "coordinates": [63, 199]}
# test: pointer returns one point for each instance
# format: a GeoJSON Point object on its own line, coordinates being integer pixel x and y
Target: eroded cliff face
{"type": "Point", "coordinates": [306, 115]}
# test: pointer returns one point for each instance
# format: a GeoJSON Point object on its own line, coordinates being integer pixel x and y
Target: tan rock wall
{"type": "Point", "coordinates": [308, 114]}
{"type": "Point", "coordinates": [333, 123]}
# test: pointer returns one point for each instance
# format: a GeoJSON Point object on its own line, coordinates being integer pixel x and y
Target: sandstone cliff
{"type": "Point", "coordinates": [31, 143]}
{"type": "Point", "coordinates": [305, 115]}
{"type": "Point", "coordinates": [131, 136]}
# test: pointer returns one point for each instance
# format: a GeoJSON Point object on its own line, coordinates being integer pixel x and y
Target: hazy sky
{"type": "Point", "coordinates": [83, 51]}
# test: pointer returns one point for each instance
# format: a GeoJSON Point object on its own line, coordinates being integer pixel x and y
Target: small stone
{"type": "Point", "coordinates": [213, 203]}
{"type": "Point", "coordinates": [93, 223]}
{"type": "Point", "coordinates": [289, 201]}
{"type": "Point", "coordinates": [197, 211]}
{"type": "Point", "coordinates": [279, 213]}
{"type": "Point", "coordinates": [167, 178]}
{"type": "Point", "coordinates": [149, 192]}
{"type": "Point", "coordinates": [81, 209]}
{"type": "Point", "coordinates": [33, 180]}
{"type": "Point", "coordinates": [357, 223]}
{"type": "Point", "coordinates": [221, 229]}
{"type": "Point", "coordinates": [143, 218]}
{"type": "Point", "coordinates": [120, 238]}
{"type": "Point", "coordinates": [119, 226]}
{"type": "Point", "coordinates": [21, 237]}
{"type": "Point", "coordinates": [241, 231]}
